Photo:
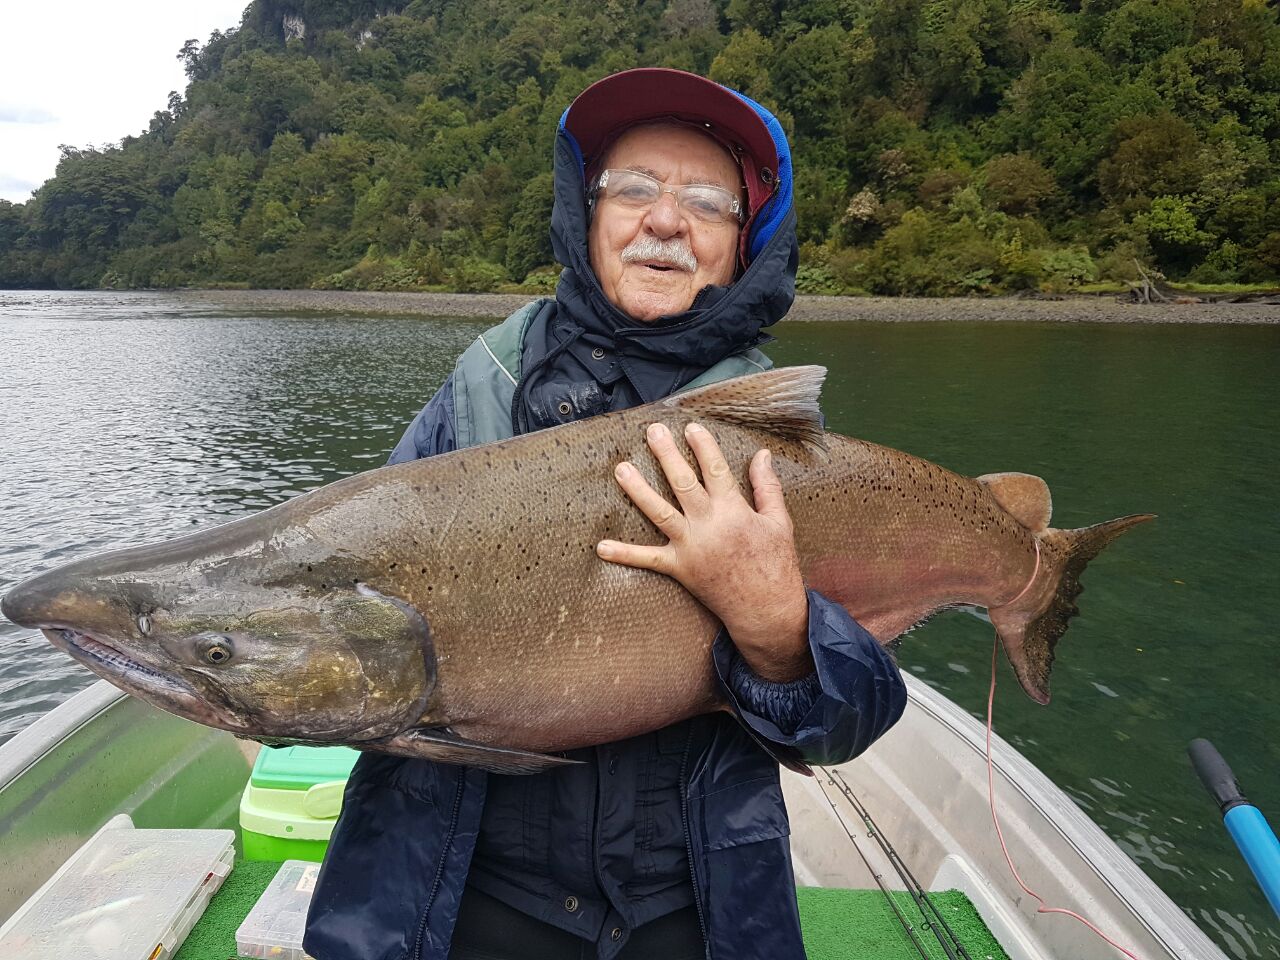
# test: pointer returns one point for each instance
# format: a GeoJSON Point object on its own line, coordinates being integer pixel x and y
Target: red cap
{"type": "Point", "coordinates": [652, 94]}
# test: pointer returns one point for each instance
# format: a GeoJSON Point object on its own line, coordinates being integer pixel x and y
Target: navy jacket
{"type": "Point", "coordinates": [397, 864]}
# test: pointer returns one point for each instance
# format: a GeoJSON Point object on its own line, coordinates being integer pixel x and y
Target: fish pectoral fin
{"type": "Point", "coordinates": [1023, 496]}
{"type": "Point", "coordinates": [783, 401]}
{"type": "Point", "coordinates": [445, 746]}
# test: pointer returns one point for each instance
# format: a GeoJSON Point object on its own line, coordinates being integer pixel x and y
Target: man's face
{"type": "Point", "coordinates": [652, 288]}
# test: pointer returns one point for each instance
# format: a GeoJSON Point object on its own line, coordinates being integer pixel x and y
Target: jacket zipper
{"type": "Point", "coordinates": [435, 883]}
{"type": "Point", "coordinates": [688, 841]}
{"type": "Point", "coordinates": [595, 837]}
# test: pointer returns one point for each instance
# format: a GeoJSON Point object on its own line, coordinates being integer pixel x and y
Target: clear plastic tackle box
{"type": "Point", "coordinates": [274, 927]}
{"type": "Point", "coordinates": [127, 894]}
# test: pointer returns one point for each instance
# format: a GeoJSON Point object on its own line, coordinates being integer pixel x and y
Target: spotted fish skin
{"type": "Point", "coordinates": [455, 606]}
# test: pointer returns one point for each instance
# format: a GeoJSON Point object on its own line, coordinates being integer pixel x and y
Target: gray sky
{"type": "Point", "coordinates": [88, 72]}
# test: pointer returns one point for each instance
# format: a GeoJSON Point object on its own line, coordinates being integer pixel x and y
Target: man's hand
{"type": "Point", "coordinates": [738, 561]}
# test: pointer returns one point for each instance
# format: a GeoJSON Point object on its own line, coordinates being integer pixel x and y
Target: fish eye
{"type": "Point", "coordinates": [218, 651]}
{"type": "Point", "coordinates": [144, 624]}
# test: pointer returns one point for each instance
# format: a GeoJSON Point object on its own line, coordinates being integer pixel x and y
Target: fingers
{"type": "Point", "coordinates": [651, 503]}
{"type": "Point", "coordinates": [658, 559]}
{"type": "Point", "coordinates": [716, 475]}
{"type": "Point", "coordinates": [684, 482]}
{"type": "Point", "coordinates": [767, 488]}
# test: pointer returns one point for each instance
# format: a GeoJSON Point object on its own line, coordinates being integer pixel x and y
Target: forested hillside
{"type": "Point", "coordinates": [942, 146]}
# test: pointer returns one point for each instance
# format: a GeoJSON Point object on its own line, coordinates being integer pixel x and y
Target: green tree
{"type": "Point", "coordinates": [1142, 30]}
{"type": "Point", "coordinates": [743, 64]}
{"type": "Point", "coordinates": [1175, 235]}
{"type": "Point", "coordinates": [1017, 183]}
{"type": "Point", "coordinates": [1152, 155]}
{"type": "Point", "coordinates": [939, 145]}
{"type": "Point", "coordinates": [529, 238]}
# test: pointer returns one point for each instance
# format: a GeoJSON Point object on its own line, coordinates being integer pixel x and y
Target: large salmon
{"type": "Point", "coordinates": [455, 607]}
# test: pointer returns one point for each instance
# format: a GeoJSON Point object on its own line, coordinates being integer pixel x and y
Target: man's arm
{"type": "Point", "coordinates": [854, 695]}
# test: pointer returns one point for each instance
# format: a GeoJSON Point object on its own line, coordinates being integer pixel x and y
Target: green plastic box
{"type": "Point", "coordinates": [291, 801]}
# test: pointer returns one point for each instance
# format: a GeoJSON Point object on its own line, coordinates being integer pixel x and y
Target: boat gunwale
{"type": "Point", "coordinates": [1166, 922]}
{"type": "Point", "coordinates": [33, 743]}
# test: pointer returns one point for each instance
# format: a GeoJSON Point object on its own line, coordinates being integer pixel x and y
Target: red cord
{"type": "Point", "coordinates": [991, 795]}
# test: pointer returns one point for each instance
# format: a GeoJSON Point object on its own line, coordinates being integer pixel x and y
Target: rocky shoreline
{"type": "Point", "coordinates": [1093, 309]}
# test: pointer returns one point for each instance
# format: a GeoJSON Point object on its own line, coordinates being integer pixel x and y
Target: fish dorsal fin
{"type": "Point", "coordinates": [783, 401]}
{"type": "Point", "coordinates": [1025, 497]}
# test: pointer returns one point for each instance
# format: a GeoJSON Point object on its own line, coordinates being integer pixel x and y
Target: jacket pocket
{"type": "Point", "coordinates": [747, 883]}
{"type": "Point", "coordinates": [750, 902]}
{"type": "Point", "coordinates": [745, 812]}
{"type": "Point", "coordinates": [739, 848]}
{"type": "Point", "coordinates": [516, 824]}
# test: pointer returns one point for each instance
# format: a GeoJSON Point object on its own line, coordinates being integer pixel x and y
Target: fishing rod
{"type": "Point", "coordinates": [875, 874]}
{"type": "Point", "coordinates": [933, 918]}
{"type": "Point", "coordinates": [1248, 827]}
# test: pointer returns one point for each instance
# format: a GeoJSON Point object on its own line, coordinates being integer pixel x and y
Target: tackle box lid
{"type": "Point", "coordinates": [300, 768]}
{"type": "Point", "coordinates": [127, 894]}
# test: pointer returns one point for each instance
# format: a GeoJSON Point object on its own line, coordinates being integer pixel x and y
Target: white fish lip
{"type": "Point", "coordinates": [92, 651]}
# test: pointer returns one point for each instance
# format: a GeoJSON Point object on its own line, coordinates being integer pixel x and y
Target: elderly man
{"type": "Point", "coordinates": [674, 221]}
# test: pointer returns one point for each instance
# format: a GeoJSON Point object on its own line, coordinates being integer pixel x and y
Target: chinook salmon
{"type": "Point", "coordinates": [454, 608]}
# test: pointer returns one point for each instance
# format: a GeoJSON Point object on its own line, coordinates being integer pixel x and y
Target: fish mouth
{"type": "Point", "coordinates": [112, 664]}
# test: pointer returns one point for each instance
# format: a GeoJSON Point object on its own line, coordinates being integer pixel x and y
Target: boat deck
{"type": "Point", "coordinates": [924, 784]}
{"type": "Point", "coordinates": [838, 924]}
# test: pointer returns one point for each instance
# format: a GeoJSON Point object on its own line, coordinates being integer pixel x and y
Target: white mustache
{"type": "Point", "coordinates": [648, 249]}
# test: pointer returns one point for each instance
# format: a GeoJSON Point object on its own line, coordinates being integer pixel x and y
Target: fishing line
{"type": "Point", "coordinates": [950, 944]}
{"type": "Point", "coordinates": [991, 796]}
{"type": "Point", "coordinates": [1034, 571]}
{"type": "Point", "coordinates": [878, 877]}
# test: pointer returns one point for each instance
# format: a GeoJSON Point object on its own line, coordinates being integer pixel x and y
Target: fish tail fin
{"type": "Point", "coordinates": [1030, 625]}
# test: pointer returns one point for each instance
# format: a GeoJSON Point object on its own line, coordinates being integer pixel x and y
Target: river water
{"type": "Point", "coordinates": [126, 418]}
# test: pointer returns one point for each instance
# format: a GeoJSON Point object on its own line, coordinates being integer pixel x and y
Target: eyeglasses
{"type": "Point", "coordinates": [639, 191]}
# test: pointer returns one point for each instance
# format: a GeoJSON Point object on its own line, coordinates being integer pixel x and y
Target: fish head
{"type": "Point", "coordinates": [236, 642]}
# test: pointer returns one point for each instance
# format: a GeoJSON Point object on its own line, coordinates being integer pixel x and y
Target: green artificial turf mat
{"type": "Point", "coordinates": [214, 935]}
{"type": "Point", "coordinates": [838, 924]}
{"type": "Point", "coordinates": [860, 925]}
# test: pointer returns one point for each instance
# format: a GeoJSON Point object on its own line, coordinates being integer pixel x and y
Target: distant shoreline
{"type": "Point", "coordinates": [1096, 308]}
{"type": "Point", "coordinates": [1080, 309]}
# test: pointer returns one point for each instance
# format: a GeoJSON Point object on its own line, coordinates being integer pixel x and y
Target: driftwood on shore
{"type": "Point", "coordinates": [1152, 289]}
{"type": "Point", "coordinates": [1266, 296]}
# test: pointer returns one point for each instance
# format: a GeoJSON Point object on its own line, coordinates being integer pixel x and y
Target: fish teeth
{"type": "Point", "coordinates": [105, 653]}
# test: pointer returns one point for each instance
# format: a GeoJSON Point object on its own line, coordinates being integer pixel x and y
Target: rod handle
{"type": "Point", "coordinates": [1215, 775]}
{"type": "Point", "coordinates": [1258, 845]}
